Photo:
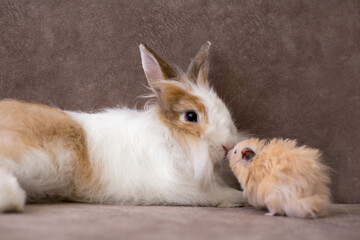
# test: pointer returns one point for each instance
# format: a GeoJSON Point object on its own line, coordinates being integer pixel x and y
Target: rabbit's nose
{"type": "Point", "coordinates": [226, 148]}
{"type": "Point", "coordinates": [228, 145]}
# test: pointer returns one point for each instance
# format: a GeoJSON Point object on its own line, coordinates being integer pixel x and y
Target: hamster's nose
{"type": "Point", "coordinates": [248, 154]}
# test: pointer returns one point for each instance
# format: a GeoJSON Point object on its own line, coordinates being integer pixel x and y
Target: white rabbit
{"type": "Point", "coordinates": [164, 154]}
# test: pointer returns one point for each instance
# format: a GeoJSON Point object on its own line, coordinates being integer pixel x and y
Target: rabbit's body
{"type": "Point", "coordinates": [149, 167]}
{"type": "Point", "coordinates": [162, 155]}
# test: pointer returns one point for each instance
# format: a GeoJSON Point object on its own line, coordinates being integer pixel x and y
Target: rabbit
{"type": "Point", "coordinates": [161, 155]}
{"type": "Point", "coordinates": [282, 177]}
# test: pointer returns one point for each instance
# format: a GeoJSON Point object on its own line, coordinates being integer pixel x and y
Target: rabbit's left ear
{"type": "Point", "coordinates": [154, 67]}
{"type": "Point", "coordinates": [198, 69]}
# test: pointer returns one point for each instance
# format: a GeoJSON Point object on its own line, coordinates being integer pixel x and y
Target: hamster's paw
{"type": "Point", "coordinates": [12, 196]}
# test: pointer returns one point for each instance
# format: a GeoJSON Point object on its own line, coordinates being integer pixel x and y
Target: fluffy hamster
{"type": "Point", "coordinates": [281, 176]}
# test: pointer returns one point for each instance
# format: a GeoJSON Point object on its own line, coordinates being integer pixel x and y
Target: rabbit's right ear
{"type": "Point", "coordinates": [154, 67]}
{"type": "Point", "coordinates": [198, 69]}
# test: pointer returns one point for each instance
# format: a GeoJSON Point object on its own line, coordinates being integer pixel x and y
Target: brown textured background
{"type": "Point", "coordinates": [286, 68]}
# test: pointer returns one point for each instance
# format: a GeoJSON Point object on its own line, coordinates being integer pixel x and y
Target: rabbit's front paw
{"type": "Point", "coordinates": [234, 199]}
{"type": "Point", "coordinates": [231, 204]}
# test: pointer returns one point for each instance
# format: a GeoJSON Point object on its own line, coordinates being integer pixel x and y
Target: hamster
{"type": "Point", "coordinates": [284, 178]}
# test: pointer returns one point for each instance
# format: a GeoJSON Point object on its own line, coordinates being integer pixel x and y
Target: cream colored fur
{"type": "Point", "coordinates": [283, 177]}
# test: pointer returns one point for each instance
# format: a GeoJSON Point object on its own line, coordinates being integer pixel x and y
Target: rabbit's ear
{"type": "Point", "coordinates": [198, 69]}
{"type": "Point", "coordinates": [154, 67]}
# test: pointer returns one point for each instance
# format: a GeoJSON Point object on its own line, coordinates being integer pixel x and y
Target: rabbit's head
{"type": "Point", "coordinates": [186, 104]}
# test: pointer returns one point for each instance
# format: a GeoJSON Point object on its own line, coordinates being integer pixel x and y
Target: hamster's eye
{"type": "Point", "coordinates": [235, 151]}
{"type": "Point", "coordinates": [191, 116]}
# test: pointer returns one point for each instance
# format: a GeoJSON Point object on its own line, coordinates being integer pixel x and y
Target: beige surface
{"type": "Point", "coordinates": [84, 221]}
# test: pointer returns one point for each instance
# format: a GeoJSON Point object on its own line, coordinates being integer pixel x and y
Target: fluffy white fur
{"type": "Point", "coordinates": [141, 163]}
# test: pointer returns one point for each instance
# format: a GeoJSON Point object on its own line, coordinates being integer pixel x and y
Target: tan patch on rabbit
{"type": "Point", "coordinates": [27, 125]}
{"type": "Point", "coordinates": [176, 101]}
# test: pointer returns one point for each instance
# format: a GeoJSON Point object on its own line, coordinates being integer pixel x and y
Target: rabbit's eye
{"type": "Point", "coordinates": [191, 116]}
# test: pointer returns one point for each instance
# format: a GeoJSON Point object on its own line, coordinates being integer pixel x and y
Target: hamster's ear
{"type": "Point", "coordinates": [154, 67]}
{"type": "Point", "coordinates": [198, 69]}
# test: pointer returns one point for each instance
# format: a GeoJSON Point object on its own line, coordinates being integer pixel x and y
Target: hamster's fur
{"type": "Point", "coordinates": [164, 154]}
{"type": "Point", "coordinates": [285, 178]}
